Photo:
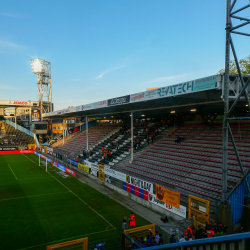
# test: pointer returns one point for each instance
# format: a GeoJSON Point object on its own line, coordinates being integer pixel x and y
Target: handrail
{"type": "Point", "coordinates": [22, 129]}
{"type": "Point", "coordinates": [197, 243]}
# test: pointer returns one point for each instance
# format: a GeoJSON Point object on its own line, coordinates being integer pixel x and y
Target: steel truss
{"type": "Point", "coordinates": [228, 110]}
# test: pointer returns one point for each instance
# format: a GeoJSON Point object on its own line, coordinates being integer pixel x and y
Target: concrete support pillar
{"type": "Point", "coordinates": [87, 132]}
{"type": "Point", "coordinates": [63, 131]}
{"type": "Point", "coordinates": [132, 136]}
{"type": "Point", "coordinates": [225, 216]}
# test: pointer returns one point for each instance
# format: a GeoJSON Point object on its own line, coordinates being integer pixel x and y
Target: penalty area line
{"type": "Point", "coordinates": [67, 239]}
{"type": "Point", "coordinates": [75, 195]}
{"type": "Point", "coordinates": [12, 172]}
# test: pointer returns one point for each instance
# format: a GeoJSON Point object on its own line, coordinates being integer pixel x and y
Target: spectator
{"type": "Point", "coordinates": [172, 239]}
{"type": "Point", "coordinates": [207, 226]}
{"type": "Point", "coordinates": [151, 237]}
{"type": "Point", "coordinates": [215, 227]}
{"type": "Point", "coordinates": [109, 154]}
{"type": "Point", "coordinates": [186, 238]}
{"type": "Point", "coordinates": [217, 234]}
{"type": "Point", "coordinates": [124, 223]}
{"type": "Point", "coordinates": [177, 139]}
{"type": "Point", "coordinates": [242, 229]}
{"type": "Point", "coordinates": [182, 239]}
{"type": "Point", "coordinates": [143, 245]}
{"type": "Point", "coordinates": [157, 237]}
{"type": "Point", "coordinates": [152, 138]}
{"type": "Point", "coordinates": [132, 220]}
{"type": "Point", "coordinates": [160, 239]}
{"type": "Point", "coordinates": [193, 238]}
{"type": "Point", "coordinates": [154, 243]}
{"type": "Point", "coordinates": [210, 233]}
{"type": "Point", "coordinates": [199, 232]}
{"type": "Point", "coordinates": [117, 145]}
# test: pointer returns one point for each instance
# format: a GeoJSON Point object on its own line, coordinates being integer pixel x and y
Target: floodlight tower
{"type": "Point", "coordinates": [42, 69]}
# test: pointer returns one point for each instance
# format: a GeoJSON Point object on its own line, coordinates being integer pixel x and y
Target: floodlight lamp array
{"type": "Point", "coordinates": [37, 65]}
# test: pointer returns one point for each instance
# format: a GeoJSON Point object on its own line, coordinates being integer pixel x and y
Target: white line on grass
{"type": "Point", "coordinates": [34, 178]}
{"type": "Point", "coordinates": [67, 239]}
{"type": "Point", "coordinates": [36, 195]}
{"type": "Point", "coordinates": [75, 195]}
{"type": "Point", "coordinates": [12, 172]}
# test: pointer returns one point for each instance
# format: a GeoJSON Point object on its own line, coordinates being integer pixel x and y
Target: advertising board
{"type": "Point", "coordinates": [181, 211]}
{"type": "Point", "coordinates": [70, 171]}
{"type": "Point", "coordinates": [61, 167]}
{"type": "Point", "coordinates": [72, 162]}
{"type": "Point", "coordinates": [115, 174]}
{"type": "Point", "coordinates": [83, 168]}
{"type": "Point", "coordinates": [8, 149]}
{"type": "Point", "coordinates": [136, 191]}
{"type": "Point", "coordinates": [140, 183]}
{"type": "Point", "coordinates": [94, 170]}
{"type": "Point", "coordinates": [87, 106]}
{"type": "Point", "coordinates": [167, 196]}
{"type": "Point", "coordinates": [119, 100]}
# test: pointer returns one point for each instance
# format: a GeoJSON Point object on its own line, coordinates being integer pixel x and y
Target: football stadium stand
{"type": "Point", "coordinates": [13, 137]}
{"type": "Point", "coordinates": [78, 143]}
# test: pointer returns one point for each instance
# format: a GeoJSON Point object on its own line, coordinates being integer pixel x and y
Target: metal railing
{"type": "Point", "coordinates": [232, 242]}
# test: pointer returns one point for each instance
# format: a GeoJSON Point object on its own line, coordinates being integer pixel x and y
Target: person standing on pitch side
{"type": "Point", "coordinates": [132, 220]}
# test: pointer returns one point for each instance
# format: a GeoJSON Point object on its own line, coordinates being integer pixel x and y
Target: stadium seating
{"type": "Point", "coordinates": [13, 137]}
{"type": "Point", "coordinates": [193, 166]}
{"type": "Point", "coordinates": [79, 142]}
{"type": "Point", "coordinates": [123, 138]}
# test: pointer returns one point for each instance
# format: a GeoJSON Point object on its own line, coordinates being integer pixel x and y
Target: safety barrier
{"type": "Point", "coordinates": [232, 242]}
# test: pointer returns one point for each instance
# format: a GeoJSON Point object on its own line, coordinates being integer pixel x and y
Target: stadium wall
{"type": "Point", "coordinates": [139, 200]}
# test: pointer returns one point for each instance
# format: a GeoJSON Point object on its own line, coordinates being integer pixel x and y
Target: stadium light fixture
{"type": "Point", "coordinates": [172, 112]}
{"type": "Point", "coordinates": [104, 117]}
{"type": "Point", "coordinates": [142, 115]}
{"type": "Point", "coordinates": [193, 110]}
{"type": "Point", "coordinates": [36, 65]}
{"type": "Point", "coordinates": [112, 116]}
{"type": "Point", "coordinates": [246, 105]}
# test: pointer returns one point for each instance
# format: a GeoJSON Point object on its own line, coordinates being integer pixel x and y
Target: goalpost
{"type": "Point", "coordinates": [45, 164]}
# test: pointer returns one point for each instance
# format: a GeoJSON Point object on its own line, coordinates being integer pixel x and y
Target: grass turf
{"type": "Point", "coordinates": [39, 208]}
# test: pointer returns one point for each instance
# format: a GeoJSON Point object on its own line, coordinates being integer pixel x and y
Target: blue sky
{"type": "Point", "coordinates": [101, 49]}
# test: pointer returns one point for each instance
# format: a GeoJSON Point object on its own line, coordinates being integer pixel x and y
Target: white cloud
{"type": "Point", "coordinates": [6, 87]}
{"type": "Point", "coordinates": [11, 15]}
{"type": "Point", "coordinates": [166, 79]}
{"type": "Point", "coordinates": [8, 44]}
{"type": "Point", "coordinates": [103, 73]}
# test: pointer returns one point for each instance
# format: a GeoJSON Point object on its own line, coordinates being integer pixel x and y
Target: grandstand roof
{"type": "Point", "coordinates": [204, 95]}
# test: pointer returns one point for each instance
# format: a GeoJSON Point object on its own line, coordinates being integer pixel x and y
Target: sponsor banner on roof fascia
{"type": "Point", "coordinates": [176, 89]}
{"type": "Point", "coordinates": [79, 108]}
{"type": "Point", "coordinates": [115, 174]}
{"type": "Point", "coordinates": [140, 183]}
{"type": "Point", "coordinates": [100, 104]}
{"type": "Point", "coordinates": [19, 103]}
{"type": "Point", "coordinates": [181, 212]}
{"type": "Point", "coordinates": [119, 100]}
{"type": "Point", "coordinates": [87, 106]}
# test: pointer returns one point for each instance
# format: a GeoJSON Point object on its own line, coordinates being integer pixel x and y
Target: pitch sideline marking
{"type": "Point", "coordinates": [62, 240]}
{"type": "Point", "coordinates": [12, 172]}
{"type": "Point", "coordinates": [75, 195]}
{"type": "Point", "coordinates": [32, 196]}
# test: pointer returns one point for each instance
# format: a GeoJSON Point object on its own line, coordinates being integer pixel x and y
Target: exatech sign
{"type": "Point", "coordinates": [187, 87]}
{"type": "Point", "coordinates": [119, 101]}
{"type": "Point", "coordinates": [140, 183]}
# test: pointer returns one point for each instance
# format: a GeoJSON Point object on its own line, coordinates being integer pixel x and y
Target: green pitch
{"type": "Point", "coordinates": [39, 208]}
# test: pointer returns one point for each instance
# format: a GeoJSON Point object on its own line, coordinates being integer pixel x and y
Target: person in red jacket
{"type": "Point", "coordinates": [132, 220]}
{"type": "Point", "coordinates": [210, 233]}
